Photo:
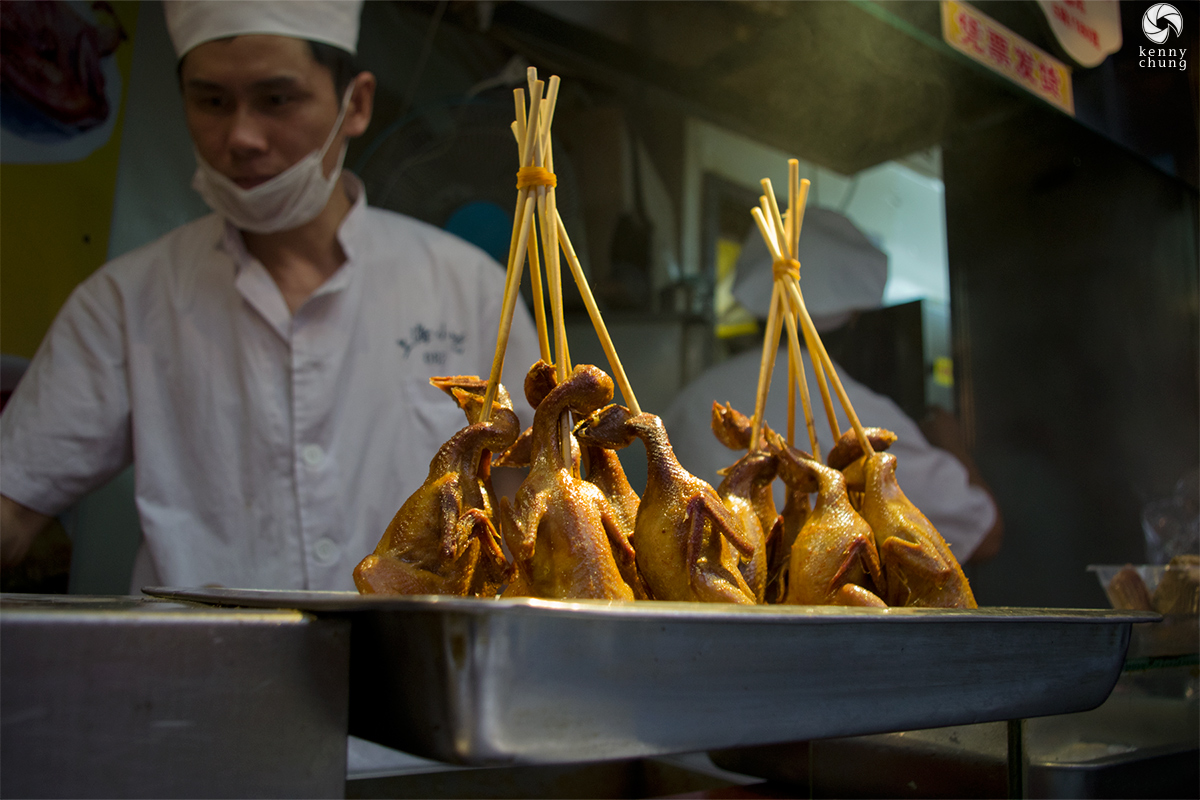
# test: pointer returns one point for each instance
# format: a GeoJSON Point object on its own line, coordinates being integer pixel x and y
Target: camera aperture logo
{"type": "Point", "coordinates": [1158, 23]}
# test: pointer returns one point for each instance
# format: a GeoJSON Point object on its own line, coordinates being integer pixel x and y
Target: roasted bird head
{"type": "Point", "coordinates": [443, 539]}
{"type": "Point", "coordinates": [688, 542]}
{"type": "Point", "coordinates": [848, 456]}
{"type": "Point", "coordinates": [921, 570]}
{"type": "Point", "coordinates": [563, 532]}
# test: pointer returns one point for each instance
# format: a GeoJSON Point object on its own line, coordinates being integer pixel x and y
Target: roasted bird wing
{"type": "Point", "coordinates": [562, 530]}
{"type": "Point", "coordinates": [921, 570]}
{"type": "Point", "coordinates": [746, 492]}
{"type": "Point", "coordinates": [687, 540]}
{"type": "Point", "coordinates": [443, 540]}
{"type": "Point", "coordinates": [833, 560]}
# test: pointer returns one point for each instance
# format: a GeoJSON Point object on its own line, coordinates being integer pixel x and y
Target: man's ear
{"type": "Point", "coordinates": [360, 105]}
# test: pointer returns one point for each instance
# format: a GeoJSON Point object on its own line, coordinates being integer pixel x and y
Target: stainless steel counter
{"type": "Point", "coordinates": [134, 697]}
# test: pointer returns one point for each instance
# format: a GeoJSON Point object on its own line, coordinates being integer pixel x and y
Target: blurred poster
{"type": "Point", "coordinates": [63, 64]}
{"type": "Point", "coordinates": [59, 83]}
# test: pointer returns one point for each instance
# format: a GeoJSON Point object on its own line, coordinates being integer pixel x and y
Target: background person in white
{"type": "Point", "coordinates": [265, 367]}
{"type": "Point", "coordinates": [841, 272]}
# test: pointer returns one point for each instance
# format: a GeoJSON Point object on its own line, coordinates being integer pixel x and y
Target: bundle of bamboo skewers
{"type": "Point", "coordinates": [782, 236]}
{"type": "Point", "coordinates": [536, 193]}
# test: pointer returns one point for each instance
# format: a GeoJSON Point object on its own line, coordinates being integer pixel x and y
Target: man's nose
{"type": "Point", "coordinates": [246, 132]}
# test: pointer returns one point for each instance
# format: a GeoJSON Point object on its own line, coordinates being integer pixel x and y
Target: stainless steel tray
{"type": "Point", "coordinates": [536, 681]}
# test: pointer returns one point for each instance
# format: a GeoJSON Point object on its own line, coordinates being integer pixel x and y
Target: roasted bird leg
{"type": "Point", "coordinates": [442, 540]}
{"type": "Point", "coordinates": [746, 492]}
{"type": "Point", "coordinates": [562, 530]}
{"type": "Point", "coordinates": [921, 570]}
{"type": "Point", "coordinates": [833, 560]}
{"type": "Point", "coordinates": [688, 541]}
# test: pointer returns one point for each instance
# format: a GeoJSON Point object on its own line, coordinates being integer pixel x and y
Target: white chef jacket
{"type": "Point", "coordinates": [934, 480]}
{"type": "Point", "coordinates": [270, 450]}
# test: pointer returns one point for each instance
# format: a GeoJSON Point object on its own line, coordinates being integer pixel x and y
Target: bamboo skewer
{"type": "Point", "coordinates": [766, 366]}
{"type": "Point", "coordinates": [614, 362]}
{"type": "Point", "coordinates": [795, 207]}
{"type": "Point", "coordinates": [539, 302]}
{"type": "Point", "coordinates": [835, 429]}
{"type": "Point", "coordinates": [775, 218]}
{"type": "Point", "coordinates": [802, 381]}
{"type": "Point", "coordinates": [791, 407]}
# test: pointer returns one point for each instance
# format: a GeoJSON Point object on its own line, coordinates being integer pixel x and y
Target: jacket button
{"type": "Point", "coordinates": [326, 551]}
{"type": "Point", "coordinates": [312, 454]}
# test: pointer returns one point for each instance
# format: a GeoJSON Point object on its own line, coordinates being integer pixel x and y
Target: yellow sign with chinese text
{"type": "Point", "coordinates": [980, 37]}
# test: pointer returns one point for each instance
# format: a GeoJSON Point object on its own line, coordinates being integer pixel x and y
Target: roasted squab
{"type": "Point", "coordinates": [921, 570]}
{"type": "Point", "coordinates": [833, 560]}
{"type": "Point", "coordinates": [603, 470]}
{"type": "Point", "coordinates": [561, 530]}
{"type": "Point", "coordinates": [443, 540]}
{"type": "Point", "coordinates": [732, 428]}
{"type": "Point", "coordinates": [688, 542]}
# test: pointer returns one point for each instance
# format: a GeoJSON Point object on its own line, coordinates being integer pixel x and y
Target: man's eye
{"type": "Point", "coordinates": [279, 99]}
{"type": "Point", "coordinates": [212, 102]}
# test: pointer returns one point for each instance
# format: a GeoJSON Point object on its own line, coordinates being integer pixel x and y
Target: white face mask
{"type": "Point", "coordinates": [290, 199]}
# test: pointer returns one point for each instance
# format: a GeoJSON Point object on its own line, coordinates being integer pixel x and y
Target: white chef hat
{"type": "Point", "coordinates": [193, 22]}
{"type": "Point", "coordinates": [841, 271]}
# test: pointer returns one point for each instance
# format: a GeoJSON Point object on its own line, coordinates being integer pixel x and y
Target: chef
{"type": "Point", "coordinates": [265, 368]}
{"type": "Point", "coordinates": [841, 273]}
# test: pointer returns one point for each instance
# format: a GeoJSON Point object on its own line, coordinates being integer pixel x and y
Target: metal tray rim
{"type": "Point", "coordinates": [352, 602]}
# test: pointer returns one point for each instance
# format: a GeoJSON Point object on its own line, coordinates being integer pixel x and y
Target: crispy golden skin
{"type": "Point", "coordinates": [746, 492]}
{"type": "Point", "coordinates": [443, 540]}
{"type": "Point", "coordinates": [921, 570]}
{"type": "Point", "coordinates": [833, 560]}
{"type": "Point", "coordinates": [561, 530]}
{"type": "Point", "coordinates": [686, 537]}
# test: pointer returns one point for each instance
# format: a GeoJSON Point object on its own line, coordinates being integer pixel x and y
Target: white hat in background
{"type": "Point", "coordinates": [841, 271]}
{"type": "Point", "coordinates": [194, 22]}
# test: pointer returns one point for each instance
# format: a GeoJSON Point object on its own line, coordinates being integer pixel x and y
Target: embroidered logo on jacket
{"type": "Point", "coordinates": [434, 345]}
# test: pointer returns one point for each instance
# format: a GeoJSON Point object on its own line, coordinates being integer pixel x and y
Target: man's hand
{"type": "Point", "coordinates": [19, 526]}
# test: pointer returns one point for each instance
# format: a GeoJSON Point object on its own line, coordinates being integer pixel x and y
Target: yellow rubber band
{"type": "Point", "coordinates": [535, 176]}
{"type": "Point", "coordinates": [789, 267]}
